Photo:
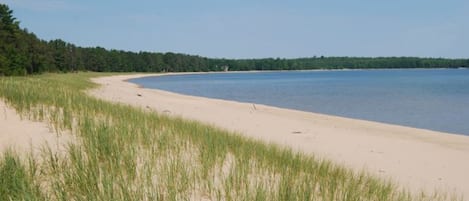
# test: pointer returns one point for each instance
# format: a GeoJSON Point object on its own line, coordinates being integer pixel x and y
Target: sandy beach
{"type": "Point", "coordinates": [417, 159]}
{"type": "Point", "coordinates": [23, 135]}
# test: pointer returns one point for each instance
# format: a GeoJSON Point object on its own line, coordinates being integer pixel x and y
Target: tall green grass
{"type": "Point", "coordinates": [127, 153]}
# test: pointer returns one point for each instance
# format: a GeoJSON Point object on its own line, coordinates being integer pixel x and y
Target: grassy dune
{"type": "Point", "coordinates": [126, 153]}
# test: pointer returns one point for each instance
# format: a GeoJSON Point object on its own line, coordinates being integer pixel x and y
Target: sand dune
{"type": "Point", "coordinates": [416, 158]}
{"type": "Point", "coordinates": [23, 135]}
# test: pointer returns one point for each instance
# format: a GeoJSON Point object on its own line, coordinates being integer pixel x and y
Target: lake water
{"type": "Point", "coordinates": [435, 99]}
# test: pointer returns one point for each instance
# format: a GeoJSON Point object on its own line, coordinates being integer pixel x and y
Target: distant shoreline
{"type": "Point", "coordinates": [147, 74]}
{"type": "Point", "coordinates": [155, 74]}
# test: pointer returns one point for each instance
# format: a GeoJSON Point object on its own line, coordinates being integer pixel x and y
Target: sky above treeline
{"type": "Point", "coordinates": [256, 28]}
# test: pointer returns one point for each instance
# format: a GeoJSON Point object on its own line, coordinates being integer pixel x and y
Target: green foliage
{"type": "Point", "coordinates": [20, 52]}
{"type": "Point", "coordinates": [15, 182]}
{"type": "Point", "coordinates": [23, 53]}
{"type": "Point", "coordinates": [127, 153]}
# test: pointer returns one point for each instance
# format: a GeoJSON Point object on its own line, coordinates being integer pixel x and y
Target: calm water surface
{"type": "Point", "coordinates": [436, 99]}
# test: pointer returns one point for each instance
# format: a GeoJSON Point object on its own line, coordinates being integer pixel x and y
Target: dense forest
{"type": "Point", "coordinates": [21, 53]}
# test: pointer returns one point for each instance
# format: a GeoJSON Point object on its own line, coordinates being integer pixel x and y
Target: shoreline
{"type": "Point", "coordinates": [416, 158]}
{"type": "Point", "coordinates": [305, 70]}
{"type": "Point", "coordinates": [448, 129]}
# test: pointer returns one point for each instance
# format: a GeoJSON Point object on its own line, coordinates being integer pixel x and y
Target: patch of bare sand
{"type": "Point", "coordinates": [416, 158]}
{"type": "Point", "coordinates": [23, 135]}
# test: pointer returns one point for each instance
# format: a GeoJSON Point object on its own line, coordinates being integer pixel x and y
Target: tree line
{"type": "Point", "coordinates": [22, 52]}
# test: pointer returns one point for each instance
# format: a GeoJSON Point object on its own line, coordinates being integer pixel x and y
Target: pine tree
{"type": "Point", "coordinates": [12, 60]}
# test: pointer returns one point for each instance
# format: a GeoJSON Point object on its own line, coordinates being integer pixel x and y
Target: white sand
{"type": "Point", "coordinates": [23, 135]}
{"type": "Point", "coordinates": [416, 158]}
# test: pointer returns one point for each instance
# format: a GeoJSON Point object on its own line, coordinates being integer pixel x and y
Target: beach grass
{"type": "Point", "coordinates": [129, 153]}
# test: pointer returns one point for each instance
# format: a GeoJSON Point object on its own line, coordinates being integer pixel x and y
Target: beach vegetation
{"type": "Point", "coordinates": [128, 153]}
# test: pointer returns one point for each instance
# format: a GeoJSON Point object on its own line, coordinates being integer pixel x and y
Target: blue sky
{"type": "Point", "coordinates": [256, 28]}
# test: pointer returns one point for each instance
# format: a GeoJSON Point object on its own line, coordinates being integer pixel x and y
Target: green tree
{"type": "Point", "coordinates": [10, 56]}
